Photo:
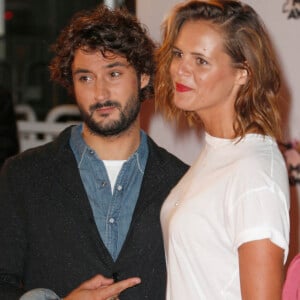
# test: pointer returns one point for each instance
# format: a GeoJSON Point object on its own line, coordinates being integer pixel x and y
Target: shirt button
{"type": "Point", "coordinates": [111, 220]}
{"type": "Point", "coordinates": [119, 188]}
{"type": "Point", "coordinates": [91, 152]}
{"type": "Point", "coordinates": [103, 183]}
{"type": "Point", "coordinates": [115, 276]}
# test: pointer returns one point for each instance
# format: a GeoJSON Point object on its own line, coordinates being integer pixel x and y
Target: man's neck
{"type": "Point", "coordinates": [118, 147]}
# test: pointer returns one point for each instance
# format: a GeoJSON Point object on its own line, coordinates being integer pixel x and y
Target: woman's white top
{"type": "Point", "coordinates": [236, 192]}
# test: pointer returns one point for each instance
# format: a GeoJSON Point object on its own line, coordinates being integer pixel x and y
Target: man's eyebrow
{"type": "Point", "coordinates": [117, 64]}
{"type": "Point", "coordinates": [81, 71]}
{"type": "Point", "coordinates": [108, 66]}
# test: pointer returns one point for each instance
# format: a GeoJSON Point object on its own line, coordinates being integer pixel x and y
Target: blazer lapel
{"type": "Point", "coordinates": [152, 186]}
{"type": "Point", "coordinates": [76, 200]}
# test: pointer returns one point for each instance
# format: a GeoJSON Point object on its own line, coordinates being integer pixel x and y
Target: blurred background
{"type": "Point", "coordinates": [27, 29]}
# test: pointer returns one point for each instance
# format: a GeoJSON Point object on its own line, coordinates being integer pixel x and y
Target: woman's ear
{"type": "Point", "coordinates": [144, 80]}
{"type": "Point", "coordinates": [242, 76]}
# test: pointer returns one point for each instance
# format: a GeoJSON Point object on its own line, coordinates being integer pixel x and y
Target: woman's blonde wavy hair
{"type": "Point", "coordinates": [248, 45]}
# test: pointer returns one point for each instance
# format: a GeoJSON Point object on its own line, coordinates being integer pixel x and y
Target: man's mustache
{"type": "Point", "coordinates": [107, 103]}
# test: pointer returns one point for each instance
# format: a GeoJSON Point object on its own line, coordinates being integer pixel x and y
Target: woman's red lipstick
{"type": "Point", "coordinates": [182, 88]}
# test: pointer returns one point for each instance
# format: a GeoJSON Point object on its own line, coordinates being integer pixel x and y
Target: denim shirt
{"type": "Point", "coordinates": [112, 211]}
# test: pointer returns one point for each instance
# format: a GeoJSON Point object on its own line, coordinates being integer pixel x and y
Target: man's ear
{"type": "Point", "coordinates": [144, 80]}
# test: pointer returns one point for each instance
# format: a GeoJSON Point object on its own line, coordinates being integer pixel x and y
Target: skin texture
{"type": "Point", "coordinates": [261, 270]}
{"type": "Point", "coordinates": [200, 63]}
{"type": "Point", "coordinates": [101, 288]}
{"type": "Point", "coordinates": [210, 86]}
{"type": "Point", "coordinates": [106, 90]}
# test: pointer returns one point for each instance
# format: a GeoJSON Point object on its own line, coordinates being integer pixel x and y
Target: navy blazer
{"type": "Point", "coordinates": [9, 144]}
{"type": "Point", "coordinates": [48, 237]}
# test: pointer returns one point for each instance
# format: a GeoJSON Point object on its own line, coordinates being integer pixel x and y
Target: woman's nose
{"type": "Point", "coordinates": [183, 67]}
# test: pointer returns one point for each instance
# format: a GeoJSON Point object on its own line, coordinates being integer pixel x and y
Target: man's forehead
{"type": "Point", "coordinates": [112, 55]}
{"type": "Point", "coordinates": [107, 58]}
{"type": "Point", "coordinates": [106, 54]}
{"type": "Point", "coordinates": [93, 61]}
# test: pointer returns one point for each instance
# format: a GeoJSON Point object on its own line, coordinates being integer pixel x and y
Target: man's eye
{"type": "Point", "coordinates": [115, 74]}
{"type": "Point", "coordinates": [85, 78]}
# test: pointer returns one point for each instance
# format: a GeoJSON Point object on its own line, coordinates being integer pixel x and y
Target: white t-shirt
{"type": "Point", "coordinates": [234, 193]}
{"type": "Point", "coordinates": [113, 168]}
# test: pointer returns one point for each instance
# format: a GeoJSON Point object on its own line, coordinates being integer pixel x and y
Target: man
{"type": "Point", "coordinates": [89, 202]}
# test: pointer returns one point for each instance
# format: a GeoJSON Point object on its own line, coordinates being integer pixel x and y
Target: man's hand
{"type": "Point", "coordinates": [101, 288]}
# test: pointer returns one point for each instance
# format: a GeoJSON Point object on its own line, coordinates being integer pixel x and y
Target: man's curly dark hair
{"type": "Point", "coordinates": [101, 29]}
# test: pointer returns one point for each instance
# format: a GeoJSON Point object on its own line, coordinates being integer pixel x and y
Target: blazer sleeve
{"type": "Point", "coordinates": [12, 239]}
{"type": "Point", "coordinates": [9, 144]}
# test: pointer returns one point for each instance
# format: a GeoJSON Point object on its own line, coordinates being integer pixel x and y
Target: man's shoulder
{"type": "Point", "coordinates": [40, 155]}
{"type": "Point", "coordinates": [164, 157]}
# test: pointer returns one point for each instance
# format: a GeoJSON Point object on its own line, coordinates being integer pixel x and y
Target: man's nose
{"type": "Point", "coordinates": [101, 90]}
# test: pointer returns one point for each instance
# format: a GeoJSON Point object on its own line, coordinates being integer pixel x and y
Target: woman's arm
{"type": "Point", "coordinates": [261, 270]}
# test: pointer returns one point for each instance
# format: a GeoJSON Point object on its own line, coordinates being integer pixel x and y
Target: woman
{"type": "Point", "coordinates": [226, 224]}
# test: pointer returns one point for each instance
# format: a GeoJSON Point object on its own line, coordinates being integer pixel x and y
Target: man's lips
{"type": "Point", "coordinates": [102, 110]}
{"type": "Point", "coordinates": [104, 107]}
{"type": "Point", "coordinates": [182, 88]}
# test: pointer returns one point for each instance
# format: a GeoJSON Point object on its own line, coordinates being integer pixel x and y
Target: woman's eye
{"type": "Point", "coordinates": [201, 61]}
{"type": "Point", "coordinates": [176, 53]}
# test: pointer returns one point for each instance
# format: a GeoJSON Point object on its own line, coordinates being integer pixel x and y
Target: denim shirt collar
{"type": "Point", "coordinates": [112, 210]}
{"type": "Point", "coordinates": [80, 148]}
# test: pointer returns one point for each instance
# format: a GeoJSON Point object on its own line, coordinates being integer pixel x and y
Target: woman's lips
{"type": "Point", "coordinates": [182, 88]}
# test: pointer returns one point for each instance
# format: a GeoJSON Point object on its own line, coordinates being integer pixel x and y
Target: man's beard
{"type": "Point", "coordinates": [127, 116]}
